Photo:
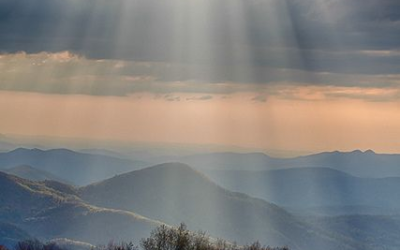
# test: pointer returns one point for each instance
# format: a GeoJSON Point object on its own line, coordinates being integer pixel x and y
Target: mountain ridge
{"type": "Point", "coordinates": [31, 173]}
{"type": "Point", "coordinates": [366, 164]}
{"type": "Point", "coordinates": [74, 167]}
{"type": "Point", "coordinates": [48, 213]}
{"type": "Point", "coordinates": [311, 187]}
{"type": "Point", "coordinates": [174, 193]}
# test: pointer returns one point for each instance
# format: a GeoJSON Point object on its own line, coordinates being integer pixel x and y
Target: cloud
{"type": "Point", "coordinates": [171, 98]}
{"type": "Point", "coordinates": [200, 98]}
{"type": "Point", "coordinates": [311, 35]}
{"type": "Point", "coordinates": [69, 73]}
{"type": "Point", "coordinates": [259, 98]}
{"type": "Point", "coordinates": [203, 48]}
{"type": "Point", "coordinates": [371, 95]}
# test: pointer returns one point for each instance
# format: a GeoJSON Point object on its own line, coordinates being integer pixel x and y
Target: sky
{"type": "Point", "coordinates": [305, 75]}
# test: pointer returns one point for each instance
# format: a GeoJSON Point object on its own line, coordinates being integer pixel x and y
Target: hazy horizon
{"type": "Point", "coordinates": [124, 146]}
{"type": "Point", "coordinates": [299, 76]}
{"type": "Point", "coordinates": [299, 126]}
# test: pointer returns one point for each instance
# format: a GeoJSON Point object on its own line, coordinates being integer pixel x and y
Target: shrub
{"type": "Point", "coordinates": [161, 238]}
{"type": "Point", "coordinates": [34, 244]}
{"type": "Point", "coordinates": [180, 238]}
{"type": "Point", "coordinates": [121, 246]}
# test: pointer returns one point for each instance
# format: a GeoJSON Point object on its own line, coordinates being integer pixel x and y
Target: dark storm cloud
{"type": "Point", "coordinates": [93, 25]}
{"type": "Point", "coordinates": [217, 40]}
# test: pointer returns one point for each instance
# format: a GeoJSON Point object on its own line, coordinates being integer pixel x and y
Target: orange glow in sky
{"type": "Point", "coordinates": [275, 124]}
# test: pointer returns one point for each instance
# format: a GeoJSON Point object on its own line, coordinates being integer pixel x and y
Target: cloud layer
{"type": "Point", "coordinates": [68, 73]}
{"type": "Point", "coordinates": [203, 46]}
{"type": "Point", "coordinates": [207, 31]}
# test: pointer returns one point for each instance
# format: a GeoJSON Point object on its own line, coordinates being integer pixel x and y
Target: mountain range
{"type": "Point", "coordinates": [120, 208]}
{"type": "Point", "coordinates": [33, 174]}
{"type": "Point", "coordinates": [174, 192]}
{"type": "Point", "coordinates": [313, 187]}
{"type": "Point", "coordinates": [48, 210]}
{"type": "Point", "coordinates": [74, 167]}
{"type": "Point", "coordinates": [367, 164]}
{"type": "Point", "coordinates": [306, 208]}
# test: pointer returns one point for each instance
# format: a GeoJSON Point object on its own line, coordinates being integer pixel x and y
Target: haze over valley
{"type": "Point", "coordinates": [301, 202]}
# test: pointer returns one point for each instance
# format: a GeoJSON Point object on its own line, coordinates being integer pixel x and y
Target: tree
{"type": "Point", "coordinates": [161, 238]}
{"type": "Point", "coordinates": [32, 244]}
{"type": "Point", "coordinates": [169, 238]}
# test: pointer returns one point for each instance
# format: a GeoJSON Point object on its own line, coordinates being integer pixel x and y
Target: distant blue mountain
{"type": "Point", "coordinates": [174, 192]}
{"type": "Point", "coordinates": [76, 168]}
{"type": "Point", "coordinates": [33, 174]}
{"type": "Point", "coordinates": [356, 179]}
{"type": "Point", "coordinates": [231, 161]}
{"type": "Point", "coordinates": [312, 187]}
{"type": "Point", "coordinates": [126, 207]}
{"type": "Point", "coordinates": [380, 232]}
{"type": "Point", "coordinates": [357, 163]}
{"type": "Point", "coordinates": [344, 210]}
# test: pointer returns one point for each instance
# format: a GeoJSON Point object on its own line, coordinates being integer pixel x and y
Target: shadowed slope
{"type": "Point", "coordinates": [46, 211]}
{"type": "Point", "coordinates": [11, 234]}
{"type": "Point", "coordinates": [312, 187]}
{"type": "Point", "coordinates": [174, 192]}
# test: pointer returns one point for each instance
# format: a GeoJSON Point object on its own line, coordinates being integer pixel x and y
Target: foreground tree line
{"type": "Point", "coordinates": [161, 238]}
